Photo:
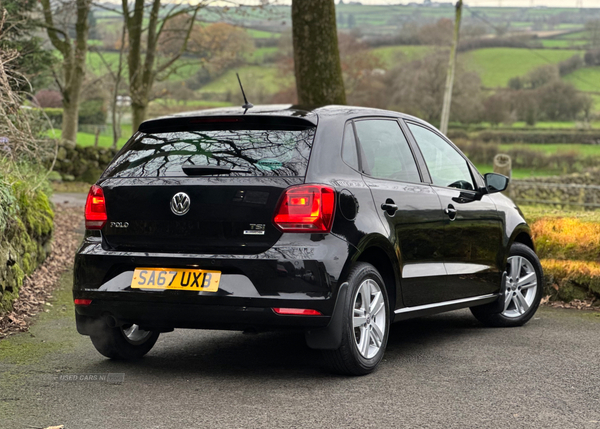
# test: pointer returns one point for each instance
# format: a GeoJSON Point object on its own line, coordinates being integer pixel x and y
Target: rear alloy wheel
{"type": "Point", "coordinates": [365, 326]}
{"type": "Point", "coordinates": [523, 290]}
{"type": "Point", "coordinates": [123, 342]}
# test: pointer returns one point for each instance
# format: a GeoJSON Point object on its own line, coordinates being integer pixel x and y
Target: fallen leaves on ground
{"type": "Point", "coordinates": [576, 304]}
{"type": "Point", "coordinates": [37, 288]}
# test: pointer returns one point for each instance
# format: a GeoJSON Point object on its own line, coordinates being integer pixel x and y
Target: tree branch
{"type": "Point", "coordinates": [64, 46]}
{"type": "Point", "coordinates": [183, 48]}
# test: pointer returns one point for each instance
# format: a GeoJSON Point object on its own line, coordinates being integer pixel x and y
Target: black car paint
{"type": "Point", "coordinates": [413, 248]}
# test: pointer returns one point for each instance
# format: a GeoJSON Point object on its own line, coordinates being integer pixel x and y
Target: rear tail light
{"type": "Point", "coordinates": [83, 302]}
{"type": "Point", "coordinates": [297, 312]}
{"type": "Point", "coordinates": [306, 208]}
{"type": "Point", "coordinates": [95, 209]}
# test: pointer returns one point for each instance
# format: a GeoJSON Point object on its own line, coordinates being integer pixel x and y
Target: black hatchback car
{"type": "Point", "coordinates": [336, 221]}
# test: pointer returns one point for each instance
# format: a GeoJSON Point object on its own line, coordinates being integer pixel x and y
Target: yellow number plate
{"type": "Point", "coordinates": [178, 279]}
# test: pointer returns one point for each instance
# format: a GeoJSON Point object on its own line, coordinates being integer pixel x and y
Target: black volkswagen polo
{"type": "Point", "coordinates": [336, 221]}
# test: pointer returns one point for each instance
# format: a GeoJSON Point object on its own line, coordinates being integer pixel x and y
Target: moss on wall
{"type": "Point", "coordinates": [26, 225]}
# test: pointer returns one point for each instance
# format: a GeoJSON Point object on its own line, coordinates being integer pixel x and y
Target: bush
{"type": "Point", "coordinates": [592, 57]}
{"type": "Point", "coordinates": [93, 112]}
{"type": "Point", "coordinates": [569, 66]}
{"type": "Point", "coordinates": [567, 238]}
{"type": "Point", "coordinates": [499, 42]}
{"type": "Point", "coordinates": [55, 115]}
{"type": "Point", "coordinates": [569, 280]}
{"type": "Point", "coordinates": [48, 98]}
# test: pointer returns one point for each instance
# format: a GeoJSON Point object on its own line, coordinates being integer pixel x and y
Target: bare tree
{"type": "Point", "coordinates": [117, 78]}
{"type": "Point", "coordinates": [144, 28]}
{"type": "Point", "coordinates": [74, 54]}
{"type": "Point", "coordinates": [317, 64]}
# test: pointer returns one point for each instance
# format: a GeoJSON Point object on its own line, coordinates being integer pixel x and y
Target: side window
{"type": "Point", "coordinates": [446, 166]}
{"type": "Point", "coordinates": [349, 154]}
{"type": "Point", "coordinates": [385, 151]}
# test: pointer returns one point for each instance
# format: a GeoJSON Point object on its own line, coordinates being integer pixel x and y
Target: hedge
{"type": "Point", "coordinates": [548, 137]}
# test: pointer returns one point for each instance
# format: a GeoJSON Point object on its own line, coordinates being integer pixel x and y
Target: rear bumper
{"type": "Point", "coordinates": [302, 275]}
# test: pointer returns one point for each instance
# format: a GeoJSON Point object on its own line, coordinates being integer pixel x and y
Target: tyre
{"type": "Point", "coordinates": [365, 325]}
{"type": "Point", "coordinates": [523, 290]}
{"type": "Point", "coordinates": [127, 342]}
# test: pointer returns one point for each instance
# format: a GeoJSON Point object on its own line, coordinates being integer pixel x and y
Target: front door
{"type": "Point", "coordinates": [472, 245]}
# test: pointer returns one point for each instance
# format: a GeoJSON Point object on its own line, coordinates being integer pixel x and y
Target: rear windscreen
{"type": "Point", "coordinates": [258, 152]}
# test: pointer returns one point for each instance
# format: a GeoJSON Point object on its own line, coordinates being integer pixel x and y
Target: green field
{"type": "Point", "coordinates": [586, 79]}
{"type": "Point", "coordinates": [496, 66]}
{"type": "Point", "coordinates": [259, 34]}
{"type": "Point", "coordinates": [519, 173]}
{"type": "Point", "coordinates": [200, 104]}
{"type": "Point", "coordinates": [575, 36]}
{"type": "Point", "coordinates": [267, 80]}
{"type": "Point", "coordinates": [558, 43]}
{"type": "Point", "coordinates": [391, 54]}
{"type": "Point", "coordinates": [86, 139]}
{"type": "Point", "coordinates": [260, 55]}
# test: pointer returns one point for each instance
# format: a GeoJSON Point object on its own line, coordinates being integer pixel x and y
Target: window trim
{"type": "Point", "coordinates": [356, 148]}
{"type": "Point", "coordinates": [470, 165]}
{"type": "Point", "coordinates": [361, 152]}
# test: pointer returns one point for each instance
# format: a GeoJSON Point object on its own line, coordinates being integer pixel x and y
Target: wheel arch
{"type": "Point", "coordinates": [384, 259]}
{"type": "Point", "coordinates": [522, 234]}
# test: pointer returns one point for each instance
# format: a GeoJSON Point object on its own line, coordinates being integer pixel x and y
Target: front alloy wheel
{"type": "Point", "coordinates": [522, 290]}
{"type": "Point", "coordinates": [521, 287]}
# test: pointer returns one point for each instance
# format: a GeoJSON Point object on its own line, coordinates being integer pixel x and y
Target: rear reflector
{"type": "Point", "coordinates": [305, 208]}
{"type": "Point", "coordinates": [297, 311]}
{"type": "Point", "coordinates": [95, 209]}
{"type": "Point", "coordinates": [84, 302]}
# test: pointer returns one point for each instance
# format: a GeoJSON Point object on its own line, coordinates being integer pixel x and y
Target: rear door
{"type": "Point", "coordinates": [472, 243]}
{"type": "Point", "coordinates": [158, 199]}
{"type": "Point", "coordinates": [408, 207]}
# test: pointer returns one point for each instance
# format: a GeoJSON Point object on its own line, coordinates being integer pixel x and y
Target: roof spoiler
{"type": "Point", "coordinates": [234, 122]}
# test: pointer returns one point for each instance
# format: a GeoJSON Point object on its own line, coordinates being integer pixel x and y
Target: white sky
{"type": "Point", "coordinates": [489, 3]}
{"type": "Point", "coordinates": [484, 3]}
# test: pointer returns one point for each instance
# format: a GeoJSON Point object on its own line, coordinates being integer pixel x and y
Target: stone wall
{"type": "Point", "coordinates": [582, 189]}
{"type": "Point", "coordinates": [84, 164]}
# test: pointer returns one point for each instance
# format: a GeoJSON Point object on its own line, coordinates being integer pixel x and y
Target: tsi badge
{"type": "Point", "coordinates": [255, 229]}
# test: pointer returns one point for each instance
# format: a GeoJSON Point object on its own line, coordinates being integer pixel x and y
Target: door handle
{"type": "Point", "coordinates": [389, 207]}
{"type": "Point", "coordinates": [451, 211]}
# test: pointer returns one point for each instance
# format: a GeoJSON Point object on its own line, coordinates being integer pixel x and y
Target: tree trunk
{"type": "Point", "coordinates": [138, 114]}
{"type": "Point", "coordinates": [450, 74]}
{"type": "Point", "coordinates": [317, 64]}
{"type": "Point", "coordinates": [70, 121]}
{"type": "Point", "coordinates": [141, 70]}
{"type": "Point", "coordinates": [74, 55]}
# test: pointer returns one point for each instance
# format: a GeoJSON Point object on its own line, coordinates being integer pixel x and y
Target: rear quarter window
{"type": "Point", "coordinates": [264, 152]}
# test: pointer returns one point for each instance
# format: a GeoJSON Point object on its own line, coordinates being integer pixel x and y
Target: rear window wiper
{"type": "Point", "coordinates": [206, 170]}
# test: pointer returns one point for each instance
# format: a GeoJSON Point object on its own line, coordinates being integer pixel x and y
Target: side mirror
{"type": "Point", "coordinates": [495, 182]}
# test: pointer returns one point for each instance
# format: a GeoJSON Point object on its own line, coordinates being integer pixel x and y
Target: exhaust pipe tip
{"type": "Point", "coordinates": [110, 320]}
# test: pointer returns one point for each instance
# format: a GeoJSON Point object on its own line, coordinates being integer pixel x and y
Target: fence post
{"type": "Point", "coordinates": [97, 137]}
{"type": "Point", "coordinates": [503, 165]}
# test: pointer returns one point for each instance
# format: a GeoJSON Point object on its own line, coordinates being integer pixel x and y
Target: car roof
{"type": "Point", "coordinates": [311, 114]}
